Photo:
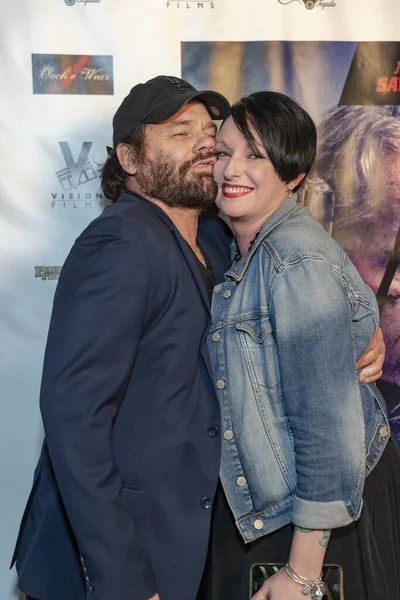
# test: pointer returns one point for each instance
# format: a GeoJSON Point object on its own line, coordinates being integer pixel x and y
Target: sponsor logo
{"type": "Point", "coordinates": [47, 273]}
{"type": "Point", "coordinates": [84, 2]}
{"type": "Point", "coordinates": [191, 4]}
{"type": "Point", "coordinates": [72, 74]}
{"type": "Point", "coordinates": [389, 84]}
{"type": "Point", "coordinates": [79, 185]}
{"type": "Point", "coordinates": [310, 4]}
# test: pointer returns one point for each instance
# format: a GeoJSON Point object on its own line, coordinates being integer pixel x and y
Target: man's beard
{"type": "Point", "coordinates": [176, 185]}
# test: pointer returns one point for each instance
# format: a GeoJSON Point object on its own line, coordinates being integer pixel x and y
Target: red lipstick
{"type": "Point", "coordinates": [235, 191]}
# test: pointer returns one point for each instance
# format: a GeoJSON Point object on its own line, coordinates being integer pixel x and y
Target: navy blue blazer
{"type": "Point", "coordinates": [121, 502]}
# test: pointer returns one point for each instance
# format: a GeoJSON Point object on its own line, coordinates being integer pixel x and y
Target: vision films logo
{"type": "Point", "coordinates": [72, 74]}
{"type": "Point", "coordinates": [78, 180]}
{"type": "Point", "coordinates": [47, 273]}
{"type": "Point", "coordinates": [190, 5]}
{"type": "Point", "coordinates": [310, 4]}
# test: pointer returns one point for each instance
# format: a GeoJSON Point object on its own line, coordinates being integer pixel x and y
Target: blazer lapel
{"type": "Point", "coordinates": [188, 255]}
{"type": "Point", "coordinates": [191, 262]}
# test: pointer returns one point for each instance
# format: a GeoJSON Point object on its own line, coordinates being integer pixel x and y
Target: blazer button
{"type": "Point", "coordinates": [213, 431]}
{"type": "Point", "coordinates": [206, 503]}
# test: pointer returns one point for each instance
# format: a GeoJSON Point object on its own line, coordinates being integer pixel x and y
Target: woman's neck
{"type": "Point", "coordinates": [246, 229]}
{"type": "Point", "coordinates": [245, 234]}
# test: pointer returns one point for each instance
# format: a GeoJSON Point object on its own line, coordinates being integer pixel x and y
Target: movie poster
{"type": "Point", "coordinates": [352, 90]}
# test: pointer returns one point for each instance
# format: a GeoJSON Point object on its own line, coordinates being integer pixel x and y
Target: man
{"type": "Point", "coordinates": [359, 157]}
{"type": "Point", "coordinates": [121, 503]}
{"type": "Point", "coordinates": [122, 495]}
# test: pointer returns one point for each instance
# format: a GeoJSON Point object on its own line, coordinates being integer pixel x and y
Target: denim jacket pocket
{"type": "Point", "coordinates": [259, 348]}
{"type": "Point", "coordinates": [380, 434]}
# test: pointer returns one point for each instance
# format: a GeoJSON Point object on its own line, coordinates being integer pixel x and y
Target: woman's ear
{"type": "Point", "coordinates": [295, 182]}
{"type": "Point", "coordinates": [127, 159]}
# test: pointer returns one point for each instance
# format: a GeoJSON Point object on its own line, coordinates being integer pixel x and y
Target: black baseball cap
{"type": "Point", "coordinates": [159, 99]}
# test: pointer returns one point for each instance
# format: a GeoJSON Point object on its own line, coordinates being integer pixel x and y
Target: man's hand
{"type": "Point", "coordinates": [279, 587]}
{"type": "Point", "coordinates": [372, 359]}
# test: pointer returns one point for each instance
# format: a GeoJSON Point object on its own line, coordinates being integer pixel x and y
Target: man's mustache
{"type": "Point", "coordinates": [198, 159]}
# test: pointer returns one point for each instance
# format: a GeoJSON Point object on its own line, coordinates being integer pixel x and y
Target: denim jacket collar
{"type": "Point", "coordinates": [286, 209]}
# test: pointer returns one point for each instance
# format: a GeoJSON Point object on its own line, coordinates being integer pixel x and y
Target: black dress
{"type": "Point", "coordinates": [368, 550]}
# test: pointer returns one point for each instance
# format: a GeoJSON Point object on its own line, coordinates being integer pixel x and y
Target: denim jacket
{"type": "Point", "coordinates": [300, 432]}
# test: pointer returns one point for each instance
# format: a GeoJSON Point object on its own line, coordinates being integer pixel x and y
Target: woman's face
{"type": "Point", "coordinates": [248, 187]}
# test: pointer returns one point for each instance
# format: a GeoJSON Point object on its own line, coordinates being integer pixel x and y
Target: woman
{"type": "Point", "coordinates": [300, 432]}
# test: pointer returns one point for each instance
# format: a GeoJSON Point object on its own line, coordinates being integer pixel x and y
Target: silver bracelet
{"type": "Point", "coordinates": [315, 588]}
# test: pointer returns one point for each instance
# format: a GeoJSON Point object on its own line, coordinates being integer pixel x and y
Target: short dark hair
{"type": "Point", "coordinates": [286, 131]}
{"type": "Point", "coordinates": [113, 177]}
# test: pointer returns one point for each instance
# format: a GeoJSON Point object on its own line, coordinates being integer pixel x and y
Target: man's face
{"type": "Point", "coordinates": [176, 163]}
{"type": "Point", "coordinates": [369, 245]}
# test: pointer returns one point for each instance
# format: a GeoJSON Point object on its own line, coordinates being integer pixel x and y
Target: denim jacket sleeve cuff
{"type": "Point", "coordinates": [322, 515]}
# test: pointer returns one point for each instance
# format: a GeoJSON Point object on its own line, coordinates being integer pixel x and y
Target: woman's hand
{"type": "Point", "coordinates": [279, 587]}
{"type": "Point", "coordinates": [372, 359]}
{"type": "Point", "coordinates": [306, 559]}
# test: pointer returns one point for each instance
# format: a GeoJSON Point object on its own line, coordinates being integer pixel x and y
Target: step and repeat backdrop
{"type": "Point", "coordinates": [67, 64]}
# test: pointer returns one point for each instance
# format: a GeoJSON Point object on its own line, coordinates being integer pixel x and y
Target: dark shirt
{"type": "Point", "coordinates": [207, 274]}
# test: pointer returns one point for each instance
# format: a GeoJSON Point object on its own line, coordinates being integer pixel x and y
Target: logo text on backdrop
{"type": "Point", "coordinates": [47, 273]}
{"type": "Point", "coordinates": [72, 74]}
{"type": "Point", "coordinates": [78, 180]}
{"type": "Point", "coordinates": [310, 4]}
{"type": "Point", "coordinates": [84, 2]}
{"type": "Point", "coordinates": [390, 84]}
{"type": "Point", "coordinates": [374, 76]}
{"type": "Point", "coordinates": [190, 4]}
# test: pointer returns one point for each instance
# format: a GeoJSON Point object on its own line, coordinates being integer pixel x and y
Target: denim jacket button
{"type": "Point", "coordinates": [383, 431]}
{"type": "Point", "coordinates": [228, 434]}
{"type": "Point", "coordinates": [241, 481]}
{"type": "Point", "coordinates": [216, 337]}
{"type": "Point", "coordinates": [227, 294]}
{"type": "Point", "coordinates": [220, 384]}
{"type": "Point", "coordinates": [258, 524]}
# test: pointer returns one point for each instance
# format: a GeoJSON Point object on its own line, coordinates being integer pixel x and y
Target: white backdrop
{"type": "Point", "coordinates": [143, 37]}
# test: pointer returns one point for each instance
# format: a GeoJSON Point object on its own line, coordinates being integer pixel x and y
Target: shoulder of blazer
{"type": "Point", "coordinates": [138, 210]}
{"type": "Point", "coordinates": [132, 219]}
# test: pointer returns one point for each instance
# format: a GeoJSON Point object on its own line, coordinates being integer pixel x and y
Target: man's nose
{"type": "Point", "coordinates": [205, 144]}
